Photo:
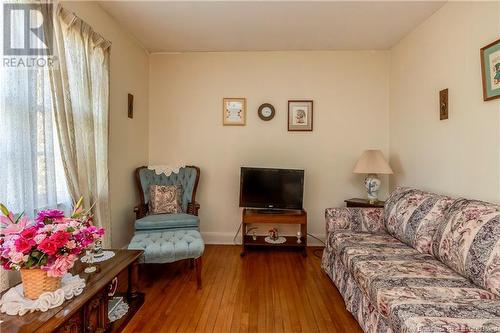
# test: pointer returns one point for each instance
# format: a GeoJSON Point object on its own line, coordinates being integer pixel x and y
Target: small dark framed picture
{"type": "Point", "coordinates": [130, 106]}
{"type": "Point", "coordinates": [490, 70]}
{"type": "Point", "coordinates": [300, 115]}
{"type": "Point", "coordinates": [443, 104]}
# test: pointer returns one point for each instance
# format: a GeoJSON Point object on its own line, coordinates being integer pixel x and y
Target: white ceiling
{"type": "Point", "coordinates": [169, 26]}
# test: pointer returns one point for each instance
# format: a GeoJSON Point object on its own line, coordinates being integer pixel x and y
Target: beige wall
{"type": "Point", "coordinates": [350, 93]}
{"type": "Point", "coordinates": [128, 138]}
{"type": "Point", "coordinates": [458, 156]}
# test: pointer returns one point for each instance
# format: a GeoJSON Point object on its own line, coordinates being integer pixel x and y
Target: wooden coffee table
{"type": "Point", "coordinates": [88, 312]}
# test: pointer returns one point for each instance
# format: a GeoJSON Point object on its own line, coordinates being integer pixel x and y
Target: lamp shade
{"type": "Point", "coordinates": [372, 161]}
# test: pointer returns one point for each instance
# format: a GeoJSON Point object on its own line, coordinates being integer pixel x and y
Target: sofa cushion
{"type": "Point", "coordinates": [391, 281]}
{"type": "Point", "coordinates": [471, 316]}
{"type": "Point", "coordinates": [469, 242]}
{"type": "Point", "coordinates": [350, 246]}
{"type": "Point", "coordinates": [413, 216]}
{"type": "Point", "coordinates": [167, 221]}
{"type": "Point", "coordinates": [412, 290]}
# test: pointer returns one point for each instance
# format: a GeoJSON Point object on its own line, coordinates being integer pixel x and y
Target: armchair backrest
{"type": "Point", "coordinates": [187, 177]}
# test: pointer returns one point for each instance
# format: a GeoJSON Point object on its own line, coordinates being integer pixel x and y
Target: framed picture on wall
{"type": "Point", "coordinates": [300, 115]}
{"type": "Point", "coordinates": [490, 68]}
{"type": "Point", "coordinates": [234, 111]}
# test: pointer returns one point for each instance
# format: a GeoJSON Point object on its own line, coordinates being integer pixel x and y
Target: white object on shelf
{"type": "Point", "coordinates": [90, 270]}
{"type": "Point", "coordinates": [113, 304]}
{"type": "Point", "coordinates": [119, 310]}
{"type": "Point", "coordinates": [14, 303]}
{"type": "Point", "coordinates": [279, 240]}
{"type": "Point", "coordinates": [106, 256]}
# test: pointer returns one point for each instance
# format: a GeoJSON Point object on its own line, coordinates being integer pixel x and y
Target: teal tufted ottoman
{"type": "Point", "coordinates": [162, 247]}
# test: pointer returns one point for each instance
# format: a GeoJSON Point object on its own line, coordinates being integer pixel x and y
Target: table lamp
{"type": "Point", "coordinates": [372, 162]}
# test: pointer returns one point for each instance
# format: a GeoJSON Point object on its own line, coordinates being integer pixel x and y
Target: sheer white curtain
{"type": "Point", "coordinates": [31, 171]}
{"type": "Point", "coordinates": [28, 144]}
{"type": "Point", "coordinates": [80, 86]}
{"type": "Point", "coordinates": [31, 174]}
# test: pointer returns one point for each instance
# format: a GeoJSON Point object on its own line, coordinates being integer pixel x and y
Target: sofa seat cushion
{"type": "Point", "coordinates": [350, 246]}
{"type": "Point", "coordinates": [413, 216]}
{"type": "Point", "coordinates": [167, 221]}
{"type": "Point", "coordinates": [411, 288]}
{"type": "Point", "coordinates": [480, 316]}
{"type": "Point", "coordinates": [469, 242]}
{"type": "Point", "coordinates": [168, 246]}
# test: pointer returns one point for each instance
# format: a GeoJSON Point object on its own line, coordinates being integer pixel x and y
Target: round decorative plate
{"type": "Point", "coordinates": [266, 112]}
{"type": "Point", "coordinates": [279, 240]}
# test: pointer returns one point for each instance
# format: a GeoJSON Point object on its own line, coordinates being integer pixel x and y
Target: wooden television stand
{"type": "Point", "coordinates": [251, 216]}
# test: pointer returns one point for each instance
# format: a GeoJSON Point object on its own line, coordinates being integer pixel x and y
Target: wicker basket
{"type": "Point", "coordinates": [36, 282]}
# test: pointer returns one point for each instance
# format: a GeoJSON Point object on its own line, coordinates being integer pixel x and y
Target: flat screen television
{"type": "Point", "coordinates": [271, 188]}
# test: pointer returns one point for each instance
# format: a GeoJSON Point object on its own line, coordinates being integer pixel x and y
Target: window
{"type": "Point", "coordinates": [31, 171]}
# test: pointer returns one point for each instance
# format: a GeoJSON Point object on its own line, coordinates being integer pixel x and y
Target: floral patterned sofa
{"type": "Point", "coordinates": [423, 263]}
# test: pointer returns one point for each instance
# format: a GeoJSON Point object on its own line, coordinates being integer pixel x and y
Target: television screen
{"type": "Point", "coordinates": [271, 188]}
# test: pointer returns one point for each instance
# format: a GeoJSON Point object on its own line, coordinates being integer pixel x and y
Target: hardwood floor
{"type": "Point", "coordinates": [265, 291]}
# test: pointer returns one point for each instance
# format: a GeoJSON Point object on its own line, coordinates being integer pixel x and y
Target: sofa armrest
{"type": "Point", "coordinates": [140, 211]}
{"type": "Point", "coordinates": [193, 208]}
{"type": "Point", "coordinates": [355, 219]}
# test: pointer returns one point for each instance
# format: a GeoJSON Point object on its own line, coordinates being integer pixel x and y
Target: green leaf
{"type": "Point", "coordinates": [42, 260]}
{"type": "Point", "coordinates": [30, 263]}
{"type": "Point", "coordinates": [36, 254]}
{"type": "Point", "coordinates": [19, 217]}
{"type": "Point", "coordinates": [76, 215]}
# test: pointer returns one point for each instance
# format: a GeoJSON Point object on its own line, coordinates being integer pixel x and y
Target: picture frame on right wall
{"type": "Point", "coordinates": [490, 69]}
{"type": "Point", "coordinates": [300, 116]}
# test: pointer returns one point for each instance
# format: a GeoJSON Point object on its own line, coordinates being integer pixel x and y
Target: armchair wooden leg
{"type": "Point", "coordinates": [198, 265]}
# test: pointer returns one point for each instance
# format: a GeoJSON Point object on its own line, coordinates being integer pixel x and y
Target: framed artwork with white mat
{"type": "Point", "coordinates": [300, 115]}
{"type": "Point", "coordinates": [234, 111]}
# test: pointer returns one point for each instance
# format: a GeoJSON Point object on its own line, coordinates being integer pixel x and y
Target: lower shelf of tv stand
{"type": "Point", "coordinates": [291, 241]}
{"type": "Point", "coordinates": [252, 216]}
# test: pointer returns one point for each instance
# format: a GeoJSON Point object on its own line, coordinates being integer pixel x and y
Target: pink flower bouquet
{"type": "Point", "coordinates": [52, 242]}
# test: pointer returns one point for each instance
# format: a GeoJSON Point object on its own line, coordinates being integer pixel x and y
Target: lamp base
{"type": "Point", "coordinates": [372, 184]}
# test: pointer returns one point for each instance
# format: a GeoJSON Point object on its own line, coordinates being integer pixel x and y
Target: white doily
{"type": "Point", "coordinates": [106, 256]}
{"type": "Point", "coordinates": [14, 303]}
{"type": "Point", "coordinates": [166, 169]}
{"type": "Point", "coordinates": [280, 240]}
{"type": "Point", "coordinates": [120, 310]}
